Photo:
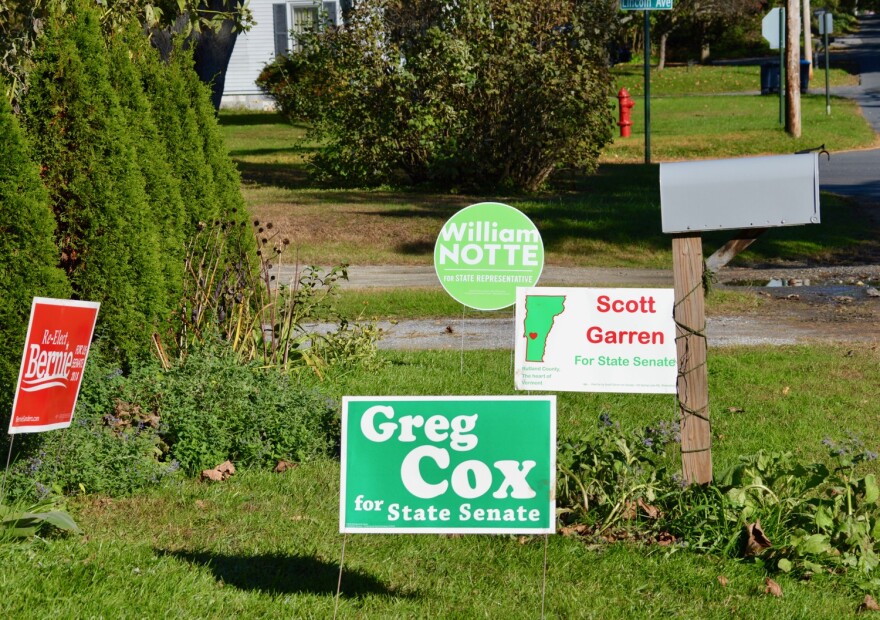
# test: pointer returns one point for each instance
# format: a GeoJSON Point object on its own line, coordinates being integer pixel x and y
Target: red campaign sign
{"type": "Point", "coordinates": [55, 351]}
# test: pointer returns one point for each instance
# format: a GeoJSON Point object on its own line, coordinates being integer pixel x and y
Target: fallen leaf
{"type": "Point", "coordinates": [219, 473]}
{"type": "Point", "coordinates": [523, 539]}
{"type": "Point", "coordinates": [755, 541]}
{"type": "Point", "coordinates": [574, 530]}
{"type": "Point", "coordinates": [449, 329]}
{"type": "Point", "coordinates": [772, 587]}
{"type": "Point", "coordinates": [652, 512]}
{"type": "Point", "coordinates": [211, 474]}
{"type": "Point", "coordinates": [736, 410]}
{"type": "Point", "coordinates": [723, 581]}
{"type": "Point", "coordinates": [869, 604]}
{"type": "Point", "coordinates": [786, 390]}
{"type": "Point", "coordinates": [200, 504]}
{"type": "Point", "coordinates": [283, 466]}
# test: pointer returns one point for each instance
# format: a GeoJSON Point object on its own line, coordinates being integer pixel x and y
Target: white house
{"type": "Point", "coordinates": [274, 33]}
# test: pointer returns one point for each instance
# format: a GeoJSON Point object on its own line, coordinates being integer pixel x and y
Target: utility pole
{"type": "Point", "coordinates": [808, 37]}
{"type": "Point", "coordinates": [793, 68]}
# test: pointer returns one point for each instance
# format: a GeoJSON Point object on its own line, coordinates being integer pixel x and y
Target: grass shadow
{"type": "Point", "coordinates": [283, 574]}
{"type": "Point", "coordinates": [284, 176]}
{"type": "Point", "coordinates": [295, 150]}
{"type": "Point", "coordinates": [250, 119]}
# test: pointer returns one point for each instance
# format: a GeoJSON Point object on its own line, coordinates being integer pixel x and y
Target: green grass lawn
{"type": "Point", "coordinates": [682, 80]}
{"type": "Point", "coordinates": [267, 545]}
{"type": "Point", "coordinates": [611, 218]}
{"type": "Point", "coordinates": [686, 127]}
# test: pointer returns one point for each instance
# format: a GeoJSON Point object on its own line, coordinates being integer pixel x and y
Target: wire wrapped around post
{"type": "Point", "coordinates": [693, 385]}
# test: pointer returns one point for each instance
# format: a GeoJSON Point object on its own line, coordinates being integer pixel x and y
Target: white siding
{"type": "Point", "coordinates": [253, 50]}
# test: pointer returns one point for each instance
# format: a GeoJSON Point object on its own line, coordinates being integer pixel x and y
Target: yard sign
{"type": "Point", "coordinates": [484, 252]}
{"type": "Point", "coordinates": [595, 340]}
{"type": "Point", "coordinates": [448, 464]}
{"type": "Point", "coordinates": [57, 344]}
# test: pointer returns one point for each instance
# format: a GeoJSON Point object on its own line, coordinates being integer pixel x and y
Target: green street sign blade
{"type": "Point", "coordinates": [645, 5]}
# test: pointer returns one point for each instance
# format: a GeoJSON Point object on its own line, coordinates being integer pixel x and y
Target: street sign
{"type": "Point", "coordinates": [770, 28]}
{"type": "Point", "coordinates": [826, 23]}
{"type": "Point", "coordinates": [645, 5]}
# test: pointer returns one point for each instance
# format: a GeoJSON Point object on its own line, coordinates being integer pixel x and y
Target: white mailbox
{"type": "Point", "coordinates": [747, 192]}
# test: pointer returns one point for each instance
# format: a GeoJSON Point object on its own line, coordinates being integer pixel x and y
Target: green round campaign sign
{"type": "Point", "coordinates": [484, 252]}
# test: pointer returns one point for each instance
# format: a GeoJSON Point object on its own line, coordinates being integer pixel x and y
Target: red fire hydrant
{"type": "Point", "coordinates": [626, 104]}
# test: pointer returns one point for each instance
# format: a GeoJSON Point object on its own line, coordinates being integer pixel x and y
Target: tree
{"type": "Point", "coordinates": [488, 92]}
{"type": "Point", "coordinates": [28, 255]}
{"type": "Point", "coordinates": [210, 27]}
{"type": "Point", "coordinates": [707, 19]}
{"type": "Point", "coordinates": [81, 136]}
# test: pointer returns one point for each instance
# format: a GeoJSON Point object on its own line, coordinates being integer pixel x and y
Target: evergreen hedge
{"type": "Point", "coordinates": [133, 161]}
{"type": "Point", "coordinates": [28, 255]}
{"type": "Point", "coordinates": [86, 146]}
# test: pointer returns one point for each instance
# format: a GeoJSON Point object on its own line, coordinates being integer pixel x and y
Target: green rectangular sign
{"type": "Point", "coordinates": [645, 5]}
{"type": "Point", "coordinates": [448, 464]}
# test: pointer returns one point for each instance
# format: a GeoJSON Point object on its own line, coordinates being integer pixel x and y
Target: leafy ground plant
{"type": "Point", "coordinates": [19, 522]}
{"type": "Point", "coordinates": [770, 507]}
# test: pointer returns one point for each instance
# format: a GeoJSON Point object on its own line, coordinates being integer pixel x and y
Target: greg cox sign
{"type": "Point", "coordinates": [465, 464]}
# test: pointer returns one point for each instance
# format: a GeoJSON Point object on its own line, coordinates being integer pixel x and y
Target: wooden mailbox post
{"type": "Point", "coordinates": [749, 195]}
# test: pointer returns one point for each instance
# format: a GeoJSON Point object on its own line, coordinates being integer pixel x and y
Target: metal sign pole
{"type": "Point", "coordinates": [782, 66]}
{"type": "Point", "coordinates": [826, 22]}
{"type": "Point", "coordinates": [647, 87]}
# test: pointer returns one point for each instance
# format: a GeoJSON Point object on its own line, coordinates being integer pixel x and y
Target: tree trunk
{"type": "Point", "coordinates": [662, 64]}
{"type": "Point", "coordinates": [212, 52]}
{"type": "Point", "coordinates": [793, 68]}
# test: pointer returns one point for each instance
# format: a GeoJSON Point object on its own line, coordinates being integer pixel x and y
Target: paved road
{"type": "Point", "coordinates": [857, 173]}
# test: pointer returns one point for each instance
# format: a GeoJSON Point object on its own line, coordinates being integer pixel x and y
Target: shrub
{"type": "Point", "coordinates": [134, 431]}
{"type": "Point", "coordinates": [214, 408]}
{"type": "Point", "coordinates": [769, 508]}
{"type": "Point", "coordinates": [164, 203]}
{"type": "Point", "coordinates": [28, 256]}
{"type": "Point", "coordinates": [106, 449]}
{"type": "Point", "coordinates": [185, 118]}
{"type": "Point", "coordinates": [485, 92]}
{"type": "Point", "coordinates": [231, 295]}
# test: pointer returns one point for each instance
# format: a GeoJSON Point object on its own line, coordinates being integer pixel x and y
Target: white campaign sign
{"type": "Point", "coordinates": [595, 340]}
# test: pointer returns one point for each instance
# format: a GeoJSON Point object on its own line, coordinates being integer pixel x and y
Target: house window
{"type": "Point", "coordinates": [292, 19]}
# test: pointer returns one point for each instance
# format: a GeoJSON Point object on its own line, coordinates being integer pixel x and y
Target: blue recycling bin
{"type": "Point", "coordinates": [770, 76]}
